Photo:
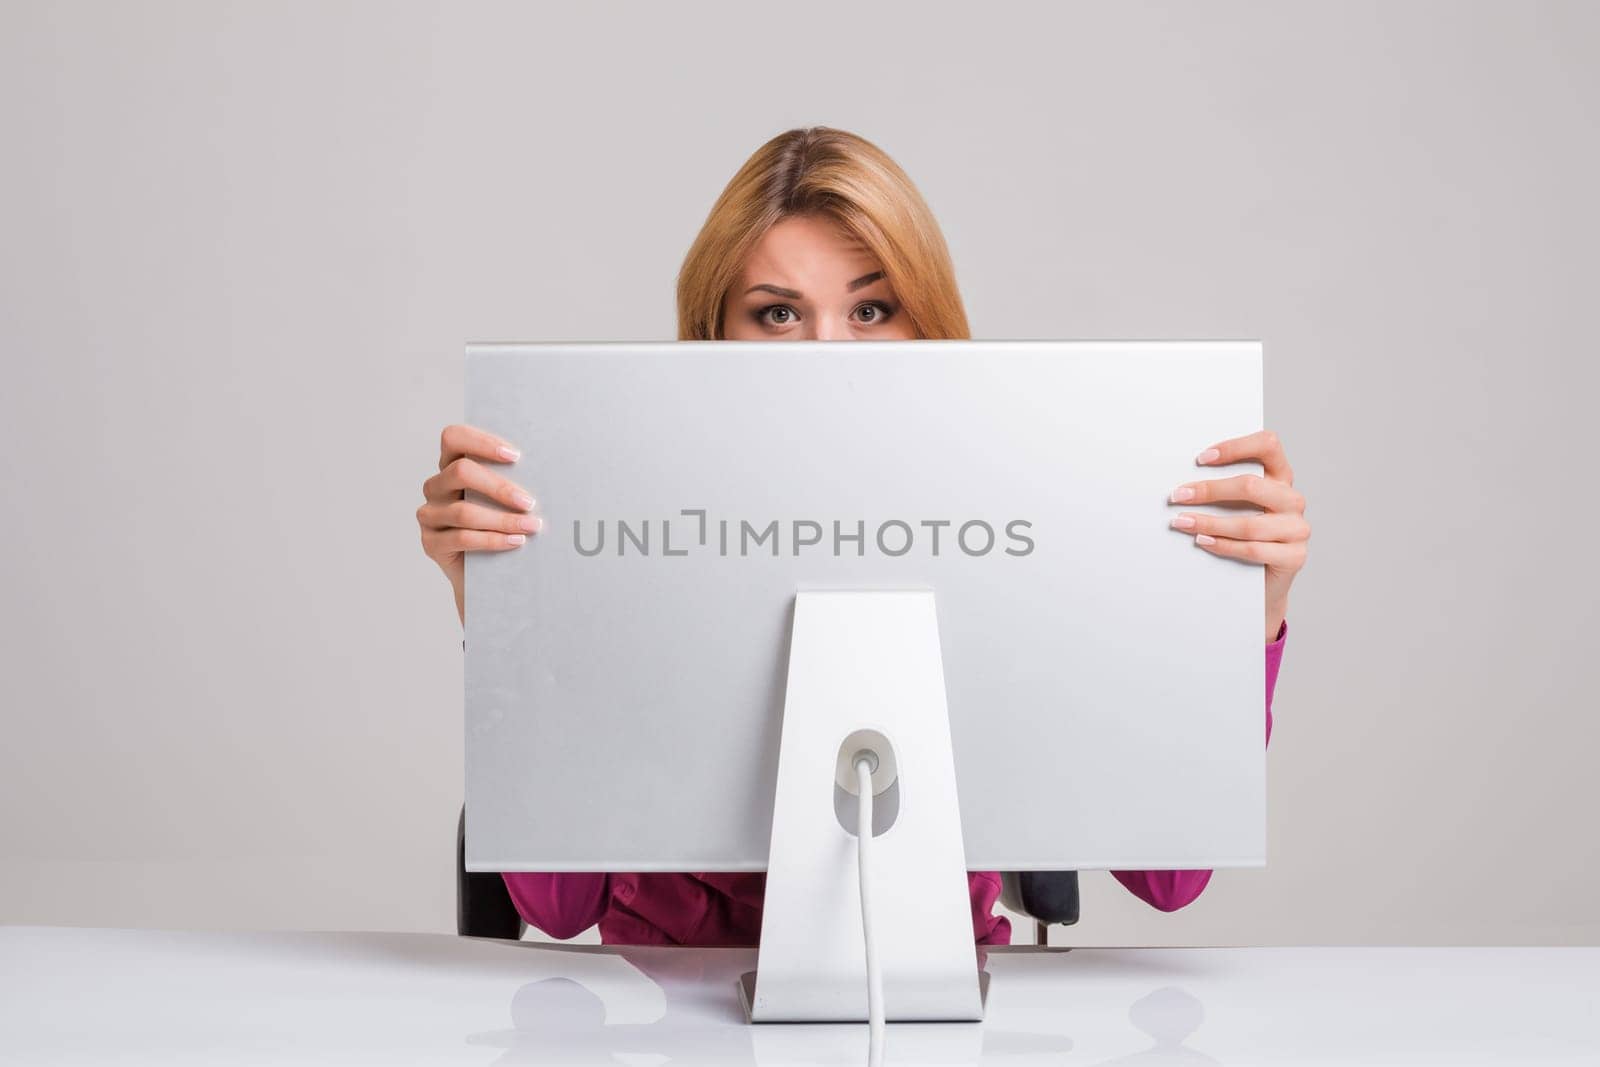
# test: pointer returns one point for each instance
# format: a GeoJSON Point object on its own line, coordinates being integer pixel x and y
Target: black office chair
{"type": "Point", "coordinates": [484, 907]}
{"type": "Point", "coordinates": [483, 904]}
{"type": "Point", "coordinates": [1049, 898]}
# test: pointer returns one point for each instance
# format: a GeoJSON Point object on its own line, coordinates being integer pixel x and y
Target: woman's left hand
{"type": "Point", "coordinates": [1276, 536]}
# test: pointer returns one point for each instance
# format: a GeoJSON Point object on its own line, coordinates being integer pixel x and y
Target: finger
{"type": "Point", "coordinates": [443, 542]}
{"type": "Point", "coordinates": [1249, 488]}
{"type": "Point", "coordinates": [457, 441]}
{"type": "Point", "coordinates": [465, 515]}
{"type": "Point", "coordinates": [1267, 526]}
{"type": "Point", "coordinates": [1263, 445]}
{"type": "Point", "coordinates": [463, 474]}
{"type": "Point", "coordinates": [1289, 556]}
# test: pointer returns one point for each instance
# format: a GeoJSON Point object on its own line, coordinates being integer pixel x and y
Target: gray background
{"type": "Point", "coordinates": [243, 244]}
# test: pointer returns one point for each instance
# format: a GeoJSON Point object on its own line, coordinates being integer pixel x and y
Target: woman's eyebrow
{"type": "Point", "coordinates": [789, 293]}
{"type": "Point", "coordinates": [794, 294]}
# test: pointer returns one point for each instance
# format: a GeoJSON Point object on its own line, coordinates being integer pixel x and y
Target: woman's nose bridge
{"type": "Point", "coordinates": [830, 327]}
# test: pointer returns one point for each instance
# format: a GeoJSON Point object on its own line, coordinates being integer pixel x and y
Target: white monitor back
{"type": "Point", "coordinates": [1104, 674]}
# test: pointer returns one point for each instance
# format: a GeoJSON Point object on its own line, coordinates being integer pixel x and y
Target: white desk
{"type": "Point", "coordinates": [126, 996]}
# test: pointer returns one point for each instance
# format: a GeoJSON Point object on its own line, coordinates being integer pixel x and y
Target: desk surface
{"type": "Point", "coordinates": [129, 996]}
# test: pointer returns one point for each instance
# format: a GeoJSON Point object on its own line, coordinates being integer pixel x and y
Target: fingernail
{"type": "Point", "coordinates": [1210, 455]}
{"type": "Point", "coordinates": [1181, 494]}
{"type": "Point", "coordinates": [529, 523]}
{"type": "Point", "coordinates": [516, 539]}
{"type": "Point", "coordinates": [523, 500]}
{"type": "Point", "coordinates": [509, 454]}
{"type": "Point", "coordinates": [1183, 522]}
{"type": "Point", "coordinates": [1204, 539]}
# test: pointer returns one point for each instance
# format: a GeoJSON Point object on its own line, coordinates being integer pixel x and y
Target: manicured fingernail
{"type": "Point", "coordinates": [529, 523]}
{"type": "Point", "coordinates": [1183, 522]}
{"type": "Point", "coordinates": [516, 539]}
{"type": "Point", "coordinates": [509, 454]}
{"type": "Point", "coordinates": [522, 500]}
{"type": "Point", "coordinates": [1204, 539]}
{"type": "Point", "coordinates": [1210, 455]}
{"type": "Point", "coordinates": [1181, 494]}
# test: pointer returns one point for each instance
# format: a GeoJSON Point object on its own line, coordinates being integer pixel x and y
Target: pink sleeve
{"type": "Point", "coordinates": [983, 889]}
{"type": "Point", "coordinates": [562, 905]}
{"type": "Point", "coordinates": [1171, 890]}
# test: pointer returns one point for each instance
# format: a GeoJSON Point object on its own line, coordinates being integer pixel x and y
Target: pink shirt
{"type": "Point", "coordinates": [725, 909]}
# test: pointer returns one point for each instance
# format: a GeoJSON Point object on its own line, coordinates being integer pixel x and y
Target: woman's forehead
{"type": "Point", "coordinates": [808, 249]}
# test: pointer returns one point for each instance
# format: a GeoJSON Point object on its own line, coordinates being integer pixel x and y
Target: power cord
{"type": "Point", "coordinates": [875, 1028]}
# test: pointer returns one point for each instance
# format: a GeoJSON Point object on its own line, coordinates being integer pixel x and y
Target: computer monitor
{"type": "Point", "coordinates": [626, 669]}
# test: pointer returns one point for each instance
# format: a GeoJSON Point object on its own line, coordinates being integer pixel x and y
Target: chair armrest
{"type": "Point", "coordinates": [1046, 896]}
{"type": "Point", "coordinates": [483, 904]}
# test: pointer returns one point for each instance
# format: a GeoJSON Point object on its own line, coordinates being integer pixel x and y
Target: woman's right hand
{"type": "Point", "coordinates": [451, 525]}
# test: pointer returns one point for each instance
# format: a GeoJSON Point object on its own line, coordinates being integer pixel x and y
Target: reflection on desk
{"type": "Point", "coordinates": [85, 996]}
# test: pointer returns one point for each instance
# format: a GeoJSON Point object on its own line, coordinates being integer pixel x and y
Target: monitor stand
{"type": "Point", "coordinates": [865, 661]}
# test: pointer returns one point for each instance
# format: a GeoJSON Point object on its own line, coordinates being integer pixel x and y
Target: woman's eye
{"type": "Point", "coordinates": [874, 312]}
{"type": "Point", "coordinates": [776, 315]}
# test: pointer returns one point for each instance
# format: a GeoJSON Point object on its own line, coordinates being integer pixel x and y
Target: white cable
{"type": "Point", "coordinates": [874, 968]}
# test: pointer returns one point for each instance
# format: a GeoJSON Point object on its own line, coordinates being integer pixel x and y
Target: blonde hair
{"type": "Point", "coordinates": [820, 171]}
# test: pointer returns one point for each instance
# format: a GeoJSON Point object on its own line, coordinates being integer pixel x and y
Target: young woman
{"type": "Point", "coordinates": [821, 236]}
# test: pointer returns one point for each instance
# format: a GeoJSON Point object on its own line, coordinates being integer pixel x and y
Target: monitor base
{"type": "Point", "coordinates": [747, 994]}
